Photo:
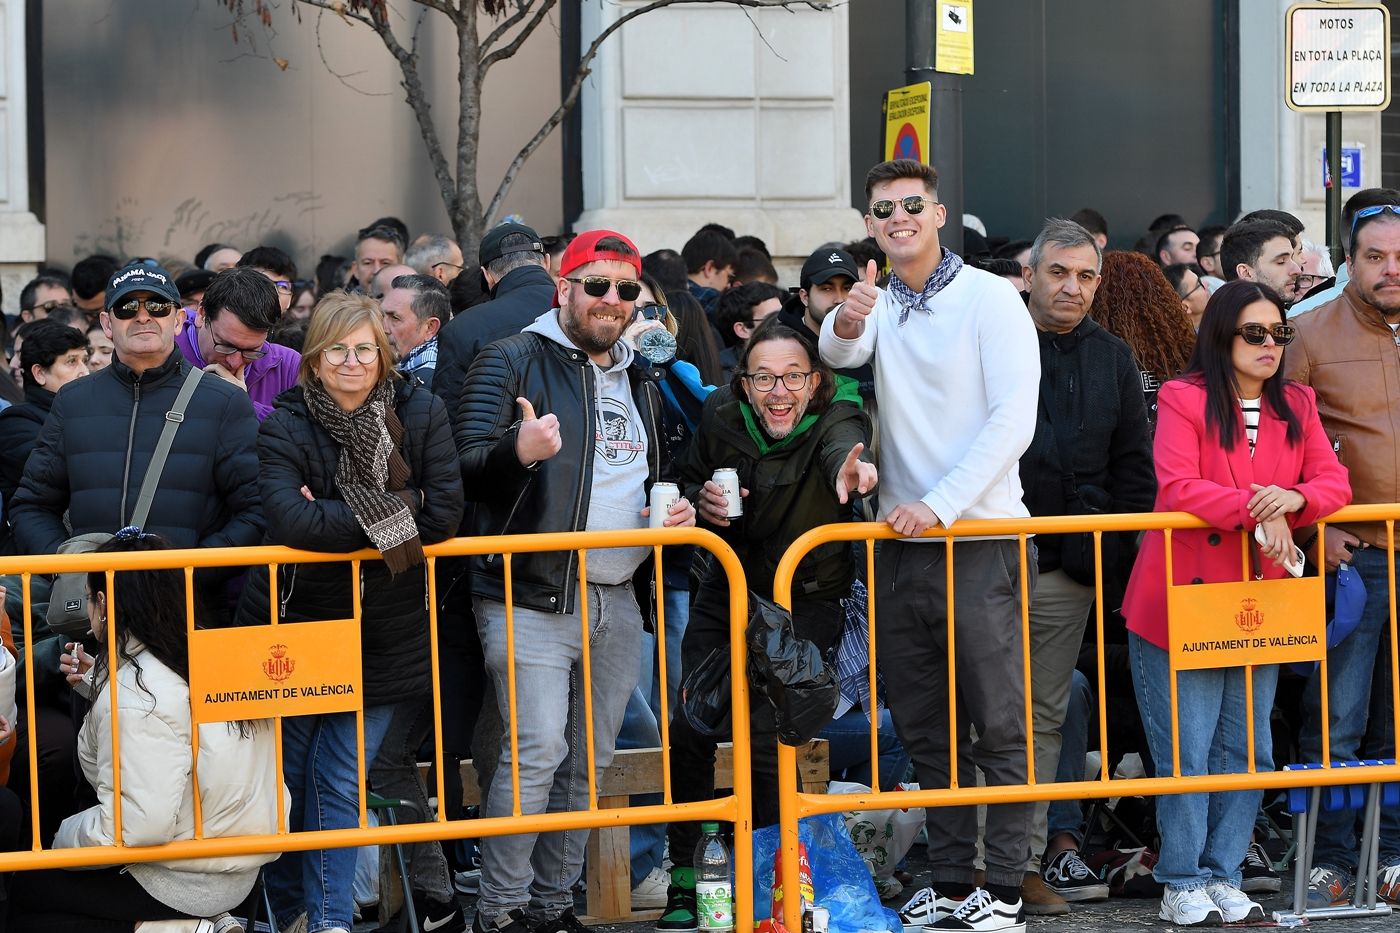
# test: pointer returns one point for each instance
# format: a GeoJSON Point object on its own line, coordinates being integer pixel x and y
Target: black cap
{"type": "Point", "coordinates": [826, 264]}
{"type": "Point", "coordinates": [193, 281]}
{"type": "Point", "coordinates": [491, 250]}
{"type": "Point", "coordinates": [143, 275]}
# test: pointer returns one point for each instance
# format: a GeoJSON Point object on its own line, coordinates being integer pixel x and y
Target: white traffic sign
{"type": "Point", "coordinates": [1338, 57]}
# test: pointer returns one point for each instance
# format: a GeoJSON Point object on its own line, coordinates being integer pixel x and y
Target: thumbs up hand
{"type": "Point", "coordinates": [850, 318]}
{"type": "Point", "coordinates": [538, 438]}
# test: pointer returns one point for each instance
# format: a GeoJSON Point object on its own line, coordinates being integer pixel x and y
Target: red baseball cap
{"type": "Point", "coordinates": [583, 249]}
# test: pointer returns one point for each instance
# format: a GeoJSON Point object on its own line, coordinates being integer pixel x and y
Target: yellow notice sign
{"type": "Point", "coordinates": [261, 671]}
{"type": "Point", "coordinates": [1257, 622]}
{"type": "Point", "coordinates": [907, 122]}
{"type": "Point", "coordinates": [952, 50]}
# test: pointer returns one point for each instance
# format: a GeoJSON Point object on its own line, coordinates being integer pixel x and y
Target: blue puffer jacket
{"type": "Point", "coordinates": [95, 446]}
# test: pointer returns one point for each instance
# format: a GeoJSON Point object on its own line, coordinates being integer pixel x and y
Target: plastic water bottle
{"type": "Point", "coordinates": [714, 892]}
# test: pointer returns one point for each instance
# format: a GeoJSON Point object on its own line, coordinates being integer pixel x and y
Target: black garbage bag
{"type": "Point", "coordinates": [789, 672]}
{"type": "Point", "coordinates": [705, 695]}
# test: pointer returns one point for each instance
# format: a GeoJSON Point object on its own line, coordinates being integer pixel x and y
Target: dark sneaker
{"type": "Point", "coordinates": [1258, 876]}
{"type": "Point", "coordinates": [1328, 887]}
{"type": "Point", "coordinates": [564, 923]}
{"type": "Point", "coordinates": [925, 908]}
{"type": "Point", "coordinates": [679, 915]}
{"type": "Point", "coordinates": [512, 921]}
{"type": "Point", "coordinates": [438, 918]}
{"type": "Point", "coordinates": [984, 912]}
{"type": "Point", "coordinates": [1068, 876]}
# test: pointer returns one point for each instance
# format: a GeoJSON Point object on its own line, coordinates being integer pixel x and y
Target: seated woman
{"type": "Point", "coordinates": [1241, 448]}
{"type": "Point", "coordinates": [351, 457]}
{"type": "Point", "coordinates": [238, 784]}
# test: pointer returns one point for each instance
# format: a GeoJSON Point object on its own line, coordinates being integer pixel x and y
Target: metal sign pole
{"type": "Point", "coordinates": [1334, 186]}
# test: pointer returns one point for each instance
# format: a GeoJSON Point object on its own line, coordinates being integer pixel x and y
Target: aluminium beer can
{"type": "Point", "coordinates": [727, 479]}
{"type": "Point", "coordinates": [663, 496]}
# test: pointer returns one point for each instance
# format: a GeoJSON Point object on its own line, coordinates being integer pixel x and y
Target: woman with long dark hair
{"type": "Point", "coordinates": [238, 782]}
{"type": "Point", "coordinates": [1242, 448]}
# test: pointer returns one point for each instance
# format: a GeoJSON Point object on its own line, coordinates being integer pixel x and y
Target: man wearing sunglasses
{"type": "Point", "coordinates": [1348, 351]}
{"type": "Point", "coordinates": [957, 373]}
{"type": "Point", "coordinates": [558, 430]}
{"type": "Point", "coordinates": [94, 449]}
{"type": "Point", "coordinates": [227, 335]}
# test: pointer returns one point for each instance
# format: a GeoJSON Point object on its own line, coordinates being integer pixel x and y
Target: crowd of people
{"type": "Point", "coordinates": [404, 396]}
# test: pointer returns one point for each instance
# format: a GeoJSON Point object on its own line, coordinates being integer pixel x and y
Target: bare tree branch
{"type": "Point", "coordinates": [584, 70]}
{"type": "Point", "coordinates": [522, 9]}
{"type": "Point", "coordinates": [506, 51]}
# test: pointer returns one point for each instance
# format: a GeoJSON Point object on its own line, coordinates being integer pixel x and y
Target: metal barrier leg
{"type": "Point", "coordinates": [1368, 865]}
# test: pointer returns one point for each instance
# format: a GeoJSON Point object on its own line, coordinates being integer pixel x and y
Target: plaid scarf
{"type": "Point", "coordinates": [372, 472]}
{"type": "Point", "coordinates": [425, 354]}
{"type": "Point", "coordinates": [950, 265]}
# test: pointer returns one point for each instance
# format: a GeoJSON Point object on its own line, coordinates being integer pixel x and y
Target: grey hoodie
{"type": "Point", "coordinates": [620, 463]}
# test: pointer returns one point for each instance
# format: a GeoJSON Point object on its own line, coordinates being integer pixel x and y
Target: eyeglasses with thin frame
{"type": "Point", "coordinates": [47, 306]}
{"type": "Point", "coordinates": [450, 265]}
{"type": "Point", "coordinates": [1256, 334]}
{"type": "Point", "coordinates": [596, 286]}
{"type": "Point", "coordinates": [339, 354]}
{"type": "Point", "coordinates": [228, 349]}
{"type": "Point", "coordinates": [793, 380]}
{"type": "Point", "coordinates": [128, 310]}
{"type": "Point", "coordinates": [283, 286]}
{"type": "Point", "coordinates": [883, 209]}
{"type": "Point", "coordinates": [1200, 284]}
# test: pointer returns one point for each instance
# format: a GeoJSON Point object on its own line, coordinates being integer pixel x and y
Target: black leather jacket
{"type": "Point", "coordinates": [552, 495]}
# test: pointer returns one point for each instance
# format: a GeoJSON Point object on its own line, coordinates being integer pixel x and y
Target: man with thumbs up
{"type": "Point", "coordinates": [796, 434]}
{"type": "Point", "coordinates": [957, 374]}
{"type": "Point", "coordinates": [557, 430]}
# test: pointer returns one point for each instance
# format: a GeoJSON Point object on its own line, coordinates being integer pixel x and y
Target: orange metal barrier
{"type": "Point", "coordinates": [794, 805]}
{"type": "Point", "coordinates": [734, 808]}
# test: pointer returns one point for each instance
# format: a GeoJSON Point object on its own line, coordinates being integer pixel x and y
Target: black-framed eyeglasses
{"type": "Point", "coordinates": [450, 265]}
{"type": "Point", "coordinates": [596, 286]}
{"type": "Point", "coordinates": [226, 349]}
{"type": "Point", "coordinates": [1372, 211]}
{"type": "Point", "coordinates": [651, 312]}
{"type": "Point", "coordinates": [1306, 280]}
{"type": "Point", "coordinates": [793, 380]}
{"type": "Point", "coordinates": [157, 309]}
{"type": "Point", "coordinates": [883, 209]}
{"type": "Point", "coordinates": [1200, 284]}
{"type": "Point", "coordinates": [47, 306]}
{"type": "Point", "coordinates": [339, 354]}
{"type": "Point", "coordinates": [1256, 334]}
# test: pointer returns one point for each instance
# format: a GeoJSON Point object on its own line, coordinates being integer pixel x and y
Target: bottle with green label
{"type": "Point", "coordinates": [714, 889]}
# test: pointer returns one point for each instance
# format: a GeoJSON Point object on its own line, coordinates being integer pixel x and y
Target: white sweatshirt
{"type": "Point", "coordinates": [957, 386]}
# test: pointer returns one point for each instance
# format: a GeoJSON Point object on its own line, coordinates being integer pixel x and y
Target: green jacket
{"type": "Point", "coordinates": [791, 484]}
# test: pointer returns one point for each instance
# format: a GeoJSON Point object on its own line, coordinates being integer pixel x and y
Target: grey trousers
{"type": "Point", "coordinates": [1059, 611]}
{"type": "Point", "coordinates": [912, 647]}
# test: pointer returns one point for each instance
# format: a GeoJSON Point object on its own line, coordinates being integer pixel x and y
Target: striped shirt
{"type": "Point", "coordinates": [1250, 408]}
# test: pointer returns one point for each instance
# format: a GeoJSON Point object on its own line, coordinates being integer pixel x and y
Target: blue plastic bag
{"type": "Point", "coordinates": [840, 880]}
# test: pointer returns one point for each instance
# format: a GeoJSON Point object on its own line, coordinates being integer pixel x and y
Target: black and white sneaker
{"type": "Point", "coordinates": [924, 909]}
{"type": "Point", "coordinates": [984, 912]}
{"type": "Point", "coordinates": [1259, 876]}
{"type": "Point", "coordinates": [1068, 876]}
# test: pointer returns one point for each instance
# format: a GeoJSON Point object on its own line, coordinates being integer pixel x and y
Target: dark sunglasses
{"type": "Point", "coordinates": [129, 310]}
{"type": "Point", "coordinates": [1372, 211]}
{"type": "Point", "coordinates": [883, 209]}
{"type": "Point", "coordinates": [1256, 334]}
{"type": "Point", "coordinates": [652, 312]}
{"type": "Point", "coordinates": [596, 286]}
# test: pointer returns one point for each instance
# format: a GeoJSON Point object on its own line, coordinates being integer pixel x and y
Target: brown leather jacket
{"type": "Point", "coordinates": [1351, 358]}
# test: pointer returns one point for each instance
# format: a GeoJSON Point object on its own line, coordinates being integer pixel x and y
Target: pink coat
{"type": "Point", "coordinates": [1195, 474]}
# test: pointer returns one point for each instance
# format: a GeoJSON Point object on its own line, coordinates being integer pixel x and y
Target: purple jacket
{"type": "Point", "coordinates": [267, 378]}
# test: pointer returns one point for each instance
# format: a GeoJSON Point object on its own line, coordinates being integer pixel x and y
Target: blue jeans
{"type": "Point", "coordinates": [1067, 816]}
{"type": "Point", "coordinates": [1204, 836]}
{"type": "Point", "coordinates": [639, 730]}
{"type": "Point", "coordinates": [1361, 721]}
{"type": "Point", "coordinates": [849, 748]}
{"type": "Point", "coordinates": [322, 774]}
{"type": "Point", "coordinates": [537, 871]}
{"type": "Point", "coordinates": [677, 607]}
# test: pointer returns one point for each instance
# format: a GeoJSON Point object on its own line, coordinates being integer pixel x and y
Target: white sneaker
{"type": "Point", "coordinates": [1234, 904]}
{"type": "Point", "coordinates": [924, 909]}
{"type": "Point", "coordinates": [1189, 907]}
{"type": "Point", "coordinates": [650, 892]}
{"type": "Point", "coordinates": [984, 912]}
